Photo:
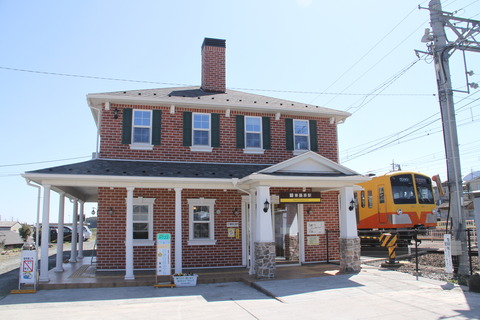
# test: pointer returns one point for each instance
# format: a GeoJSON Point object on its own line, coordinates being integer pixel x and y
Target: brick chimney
{"type": "Point", "coordinates": [213, 65]}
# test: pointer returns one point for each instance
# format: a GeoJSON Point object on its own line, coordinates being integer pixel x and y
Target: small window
{"type": "Point", "coordinates": [301, 134]}
{"type": "Point", "coordinates": [362, 200]}
{"type": "Point", "coordinates": [202, 218]}
{"type": "Point", "coordinates": [253, 132]}
{"type": "Point", "coordinates": [370, 199]}
{"type": "Point", "coordinates": [201, 129]}
{"type": "Point", "coordinates": [142, 221]}
{"type": "Point", "coordinates": [142, 125]}
{"type": "Point", "coordinates": [381, 195]}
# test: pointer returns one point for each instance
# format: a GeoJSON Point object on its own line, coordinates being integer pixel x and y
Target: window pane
{"type": "Point", "coordinates": [301, 142]}
{"type": "Point", "coordinates": [252, 124]}
{"type": "Point", "coordinates": [253, 140]}
{"type": "Point", "coordinates": [141, 118]}
{"type": "Point", "coordinates": [140, 231]}
{"type": "Point", "coordinates": [200, 138]}
{"type": "Point", "coordinates": [201, 213]}
{"type": "Point", "coordinates": [141, 135]}
{"type": "Point", "coordinates": [201, 121]}
{"type": "Point", "coordinates": [201, 230]}
{"type": "Point", "coordinates": [301, 127]}
{"type": "Point", "coordinates": [402, 189]}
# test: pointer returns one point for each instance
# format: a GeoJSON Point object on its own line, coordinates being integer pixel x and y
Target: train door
{"type": "Point", "coordinates": [382, 207]}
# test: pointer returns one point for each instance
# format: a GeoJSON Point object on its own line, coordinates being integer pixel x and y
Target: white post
{"type": "Point", "coordinates": [476, 212]}
{"type": "Point", "coordinates": [263, 220]}
{"type": "Point", "coordinates": [129, 236]}
{"type": "Point", "coordinates": [61, 217]}
{"type": "Point", "coordinates": [178, 230]}
{"type": "Point", "coordinates": [80, 233]}
{"type": "Point", "coordinates": [348, 220]}
{"type": "Point", "coordinates": [45, 234]}
{"type": "Point", "coordinates": [73, 244]}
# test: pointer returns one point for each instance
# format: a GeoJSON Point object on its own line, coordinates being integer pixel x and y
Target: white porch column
{"type": "Point", "coordinates": [45, 234]}
{"type": "Point", "coordinates": [61, 217]}
{"type": "Point", "coordinates": [73, 244]}
{"type": "Point", "coordinates": [264, 238]}
{"type": "Point", "coordinates": [80, 233]}
{"type": "Point", "coordinates": [348, 219]}
{"type": "Point", "coordinates": [129, 236]}
{"type": "Point", "coordinates": [178, 230]}
{"type": "Point", "coordinates": [349, 240]}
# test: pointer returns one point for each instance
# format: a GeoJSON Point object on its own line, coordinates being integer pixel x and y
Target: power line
{"type": "Point", "coordinates": [40, 162]}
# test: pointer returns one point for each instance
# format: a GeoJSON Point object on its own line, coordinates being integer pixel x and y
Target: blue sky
{"type": "Point", "coordinates": [328, 53]}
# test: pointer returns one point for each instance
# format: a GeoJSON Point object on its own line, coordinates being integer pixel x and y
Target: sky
{"type": "Point", "coordinates": [355, 56]}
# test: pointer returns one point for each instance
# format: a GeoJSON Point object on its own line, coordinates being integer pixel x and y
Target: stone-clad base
{"type": "Point", "coordinates": [350, 255]}
{"type": "Point", "coordinates": [265, 260]}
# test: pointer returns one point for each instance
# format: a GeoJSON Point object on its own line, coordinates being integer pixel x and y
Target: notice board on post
{"type": "Point", "coordinates": [163, 254]}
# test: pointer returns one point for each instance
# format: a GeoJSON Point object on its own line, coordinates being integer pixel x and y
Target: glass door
{"type": "Point", "coordinates": [286, 233]}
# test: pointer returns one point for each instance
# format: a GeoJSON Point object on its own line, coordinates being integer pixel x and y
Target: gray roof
{"type": "Point", "coordinates": [135, 168]}
{"type": "Point", "coordinates": [238, 100]}
{"type": "Point", "coordinates": [9, 238]}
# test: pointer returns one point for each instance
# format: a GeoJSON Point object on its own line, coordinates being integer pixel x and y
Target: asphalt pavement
{"type": "Point", "coordinates": [370, 294]}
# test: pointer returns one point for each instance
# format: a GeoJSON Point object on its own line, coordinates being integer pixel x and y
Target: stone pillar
{"type": "Point", "coordinates": [350, 255]}
{"type": "Point", "coordinates": [45, 234]}
{"type": "Point", "coordinates": [61, 217]}
{"type": "Point", "coordinates": [264, 248]}
{"type": "Point", "coordinates": [349, 240]}
{"type": "Point", "coordinates": [73, 243]}
{"type": "Point", "coordinates": [265, 260]}
{"type": "Point", "coordinates": [80, 230]}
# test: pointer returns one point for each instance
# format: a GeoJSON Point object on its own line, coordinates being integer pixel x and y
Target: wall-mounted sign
{"type": "Point", "coordinates": [315, 227]}
{"type": "Point", "coordinates": [300, 197]}
{"type": "Point", "coordinates": [313, 240]}
{"type": "Point", "coordinates": [232, 225]}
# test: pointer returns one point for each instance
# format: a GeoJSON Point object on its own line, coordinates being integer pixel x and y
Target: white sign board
{"type": "Point", "coordinates": [315, 227]}
{"type": "Point", "coordinates": [28, 267]}
{"type": "Point", "coordinates": [447, 241]}
{"type": "Point", "coordinates": [163, 254]}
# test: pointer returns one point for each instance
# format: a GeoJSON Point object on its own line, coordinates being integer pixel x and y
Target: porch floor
{"type": "Point", "coordinates": [83, 274]}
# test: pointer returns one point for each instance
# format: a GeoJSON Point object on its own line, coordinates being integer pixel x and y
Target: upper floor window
{"type": "Point", "coordinates": [253, 132]}
{"type": "Point", "coordinates": [301, 135]}
{"type": "Point", "coordinates": [201, 131]}
{"type": "Point", "coordinates": [142, 126]}
{"type": "Point", "coordinates": [141, 129]}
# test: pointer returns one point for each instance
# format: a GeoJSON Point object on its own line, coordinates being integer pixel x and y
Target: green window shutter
{"type": "Point", "coordinates": [240, 123]}
{"type": "Point", "coordinates": [187, 128]}
{"type": "Point", "coordinates": [266, 132]}
{"type": "Point", "coordinates": [313, 135]}
{"type": "Point", "coordinates": [157, 127]}
{"type": "Point", "coordinates": [127, 126]}
{"type": "Point", "coordinates": [289, 133]}
{"type": "Point", "coordinates": [215, 129]}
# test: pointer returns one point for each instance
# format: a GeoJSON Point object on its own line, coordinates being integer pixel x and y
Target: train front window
{"type": "Point", "coordinates": [402, 189]}
{"type": "Point", "coordinates": [424, 189]}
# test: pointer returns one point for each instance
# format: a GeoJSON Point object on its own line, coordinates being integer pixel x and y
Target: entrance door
{"type": "Point", "coordinates": [286, 233]}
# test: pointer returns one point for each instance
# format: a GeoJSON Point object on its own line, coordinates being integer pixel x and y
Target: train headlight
{"type": "Point", "coordinates": [399, 211]}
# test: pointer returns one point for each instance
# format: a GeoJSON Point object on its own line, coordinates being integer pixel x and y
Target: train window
{"type": "Point", "coordinates": [370, 199]}
{"type": "Point", "coordinates": [424, 189]}
{"type": "Point", "coordinates": [402, 189]}
{"type": "Point", "coordinates": [381, 194]}
{"type": "Point", "coordinates": [362, 200]}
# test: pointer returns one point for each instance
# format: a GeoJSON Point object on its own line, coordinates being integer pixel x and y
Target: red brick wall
{"type": "Point", "coordinates": [226, 252]}
{"type": "Point", "coordinates": [172, 149]}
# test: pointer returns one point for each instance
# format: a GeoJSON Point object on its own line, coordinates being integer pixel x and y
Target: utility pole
{"type": "Point", "coordinates": [441, 49]}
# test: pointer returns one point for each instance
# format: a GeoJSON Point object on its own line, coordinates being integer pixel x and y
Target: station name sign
{"type": "Point", "coordinates": [300, 197]}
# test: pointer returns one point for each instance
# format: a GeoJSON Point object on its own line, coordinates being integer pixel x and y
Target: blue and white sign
{"type": "Point", "coordinates": [163, 254]}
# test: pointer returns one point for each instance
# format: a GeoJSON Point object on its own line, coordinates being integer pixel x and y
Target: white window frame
{"type": "Point", "coordinates": [204, 148]}
{"type": "Point", "coordinates": [295, 149]}
{"type": "Point", "coordinates": [145, 202]}
{"type": "Point", "coordinates": [202, 202]}
{"type": "Point", "coordinates": [253, 150]}
{"type": "Point", "coordinates": [142, 145]}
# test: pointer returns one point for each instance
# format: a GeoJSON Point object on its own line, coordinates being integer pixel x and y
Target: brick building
{"type": "Point", "coordinates": [236, 179]}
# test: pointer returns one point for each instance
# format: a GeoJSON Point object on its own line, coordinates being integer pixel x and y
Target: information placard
{"type": "Point", "coordinates": [447, 242]}
{"type": "Point", "coordinates": [163, 254]}
{"type": "Point", "coordinates": [28, 267]}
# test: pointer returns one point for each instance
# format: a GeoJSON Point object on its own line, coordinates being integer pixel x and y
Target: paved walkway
{"type": "Point", "coordinates": [371, 294]}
